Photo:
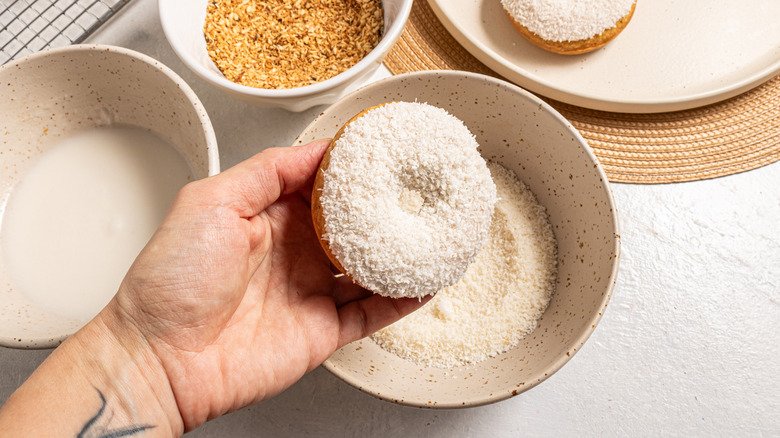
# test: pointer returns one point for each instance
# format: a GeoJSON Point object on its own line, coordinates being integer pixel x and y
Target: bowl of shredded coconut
{"type": "Point", "coordinates": [283, 53]}
{"type": "Point", "coordinates": [540, 283]}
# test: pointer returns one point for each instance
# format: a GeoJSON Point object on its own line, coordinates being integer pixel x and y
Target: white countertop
{"type": "Point", "coordinates": [688, 345]}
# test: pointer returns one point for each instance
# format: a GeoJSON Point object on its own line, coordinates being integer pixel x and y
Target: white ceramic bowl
{"type": "Point", "coordinates": [183, 20]}
{"type": "Point", "coordinates": [526, 135]}
{"type": "Point", "coordinates": [52, 95]}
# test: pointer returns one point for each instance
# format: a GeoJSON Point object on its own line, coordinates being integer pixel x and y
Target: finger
{"type": "Point", "coordinates": [252, 185]}
{"type": "Point", "coordinates": [345, 291]}
{"type": "Point", "coordinates": [306, 192]}
{"type": "Point", "coordinates": [361, 318]}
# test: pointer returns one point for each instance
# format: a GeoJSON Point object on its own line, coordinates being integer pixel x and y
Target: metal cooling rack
{"type": "Point", "coordinates": [27, 26]}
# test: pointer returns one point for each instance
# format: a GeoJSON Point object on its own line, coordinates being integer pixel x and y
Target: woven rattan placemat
{"type": "Point", "coordinates": [735, 135]}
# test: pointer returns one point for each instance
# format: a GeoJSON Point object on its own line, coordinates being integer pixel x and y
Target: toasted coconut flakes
{"type": "Point", "coordinates": [290, 43]}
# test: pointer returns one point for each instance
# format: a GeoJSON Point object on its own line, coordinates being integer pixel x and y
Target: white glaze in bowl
{"type": "Point", "coordinates": [55, 94]}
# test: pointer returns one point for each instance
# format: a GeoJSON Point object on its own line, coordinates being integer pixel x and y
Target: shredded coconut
{"type": "Point", "coordinates": [407, 199]}
{"type": "Point", "coordinates": [499, 301]}
{"type": "Point", "coordinates": [567, 20]}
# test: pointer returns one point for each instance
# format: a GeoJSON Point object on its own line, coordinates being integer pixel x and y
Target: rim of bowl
{"type": "Point", "coordinates": [387, 41]}
{"type": "Point", "coordinates": [579, 340]}
{"type": "Point", "coordinates": [205, 121]}
{"type": "Point", "coordinates": [208, 130]}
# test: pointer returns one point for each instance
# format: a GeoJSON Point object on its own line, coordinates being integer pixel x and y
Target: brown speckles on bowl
{"type": "Point", "coordinates": [524, 134]}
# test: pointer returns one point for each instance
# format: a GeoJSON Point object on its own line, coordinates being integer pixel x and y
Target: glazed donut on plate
{"type": "Point", "coordinates": [402, 201]}
{"type": "Point", "coordinates": [569, 27]}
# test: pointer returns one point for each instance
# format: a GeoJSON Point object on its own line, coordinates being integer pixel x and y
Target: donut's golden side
{"type": "Point", "coordinates": [574, 47]}
{"type": "Point", "coordinates": [319, 180]}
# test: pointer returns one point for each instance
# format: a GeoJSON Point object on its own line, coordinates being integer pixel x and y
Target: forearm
{"type": "Point", "coordinates": [101, 382]}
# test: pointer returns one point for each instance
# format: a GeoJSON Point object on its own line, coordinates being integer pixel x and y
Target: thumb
{"type": "Point", "coordinates": [254, 184]}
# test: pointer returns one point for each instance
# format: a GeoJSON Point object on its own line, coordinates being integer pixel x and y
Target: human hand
{"type": "Point", "coordinates": [230, 302]}
{"type": "Point", "coordinates": [234, 294]}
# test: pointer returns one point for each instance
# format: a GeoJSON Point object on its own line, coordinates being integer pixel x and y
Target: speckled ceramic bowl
{"type": "Point", "coordinates": [183, 20]}
{"type": "Point", "coordinates": [51, 95]}
{"type": "Point", "coordinates": [526, 135]}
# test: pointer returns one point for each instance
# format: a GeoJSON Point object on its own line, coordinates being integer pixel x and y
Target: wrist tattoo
{"type": "Point", "coordinates": [98, 425]}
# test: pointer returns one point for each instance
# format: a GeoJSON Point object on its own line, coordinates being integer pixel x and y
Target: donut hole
{"type": "Point", "coordinates": [420, 188]}
{"type": "Point", "coordinates": [411, 201]}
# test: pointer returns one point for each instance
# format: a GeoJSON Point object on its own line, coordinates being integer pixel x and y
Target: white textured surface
{"type": "Point", "coordinates": [415, 148]}
{"type": "Point", "coordinates": [499, 300]}
{"type": "Point", "coordinates": [567, 20]}
{"type": "Point", "coordinates": [687, 346]}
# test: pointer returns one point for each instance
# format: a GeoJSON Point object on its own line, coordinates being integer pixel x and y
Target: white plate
{"type": "Point", "coordinates": [674, 54]}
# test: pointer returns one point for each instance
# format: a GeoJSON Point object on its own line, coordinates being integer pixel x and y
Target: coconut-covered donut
{"type": "Point", "coordinates": [569, 27]}
{"type": "Point", "coordinates": [402, 201]}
